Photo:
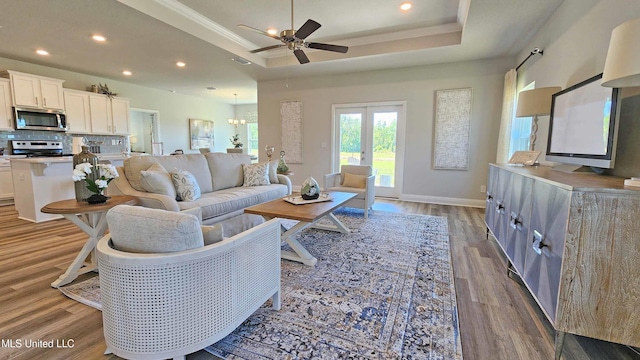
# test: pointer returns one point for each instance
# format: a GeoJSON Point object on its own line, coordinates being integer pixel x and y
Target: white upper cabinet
{"type": "Point", "coordinates": [120, 116]}
{"type": "Point", "coordinates": [100, 107]}
{"type": "Point", "coordinates": [35, 91]}
{"type": "Point", "coordinates": [76, 104]}
{"type": "Point", "coordinates": [6, 117]}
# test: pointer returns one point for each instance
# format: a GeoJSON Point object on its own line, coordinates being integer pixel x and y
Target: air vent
{"type": "Point", "coordinates": [241, 61]}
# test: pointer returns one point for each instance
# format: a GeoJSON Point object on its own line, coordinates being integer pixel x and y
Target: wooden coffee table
{"type": "Point", "coordinates": [92, 219]}
{"type": "Point", "coordinates": [308, 215]}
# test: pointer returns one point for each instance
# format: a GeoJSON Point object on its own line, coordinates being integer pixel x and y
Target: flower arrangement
{"type": "Point", "coordinates": [106, 173]}
{"type": "Point", "coordinates": [235, 140]}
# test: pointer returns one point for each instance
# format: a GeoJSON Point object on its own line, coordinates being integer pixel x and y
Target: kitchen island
{"type": "Point", "coordinates": [42, 180]}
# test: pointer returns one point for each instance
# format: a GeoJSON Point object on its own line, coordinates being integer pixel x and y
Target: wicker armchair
{"type": "Point", "coordinates": [167, 305]}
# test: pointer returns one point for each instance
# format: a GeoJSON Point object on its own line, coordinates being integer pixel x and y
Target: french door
{"type": "Point", "coordinates": [371, 134]}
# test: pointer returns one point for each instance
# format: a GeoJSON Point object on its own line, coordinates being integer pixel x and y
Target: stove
{"type": "Point", "coordinates": [37, 148]}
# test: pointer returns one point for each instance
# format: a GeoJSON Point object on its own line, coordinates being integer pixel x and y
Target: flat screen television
{"type": "Point", "coordinates": [583, 126]}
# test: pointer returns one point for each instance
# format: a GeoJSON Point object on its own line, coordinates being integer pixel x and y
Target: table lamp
{"type": "Point", "coordinates": [534, 103]}
{"type": "Point", "coordinates": [622, 67]}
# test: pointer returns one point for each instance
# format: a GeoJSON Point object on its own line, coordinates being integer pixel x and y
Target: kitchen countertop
{"type": "Point", "coordinates": [62, 159]}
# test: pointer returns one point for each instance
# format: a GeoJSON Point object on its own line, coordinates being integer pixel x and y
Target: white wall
{"type": "Point", "coordinates": [575, 41]}
{"type": "Point", "coordinates": [174, 109]}
{"type": "Point", "coordinates": [415, 85]}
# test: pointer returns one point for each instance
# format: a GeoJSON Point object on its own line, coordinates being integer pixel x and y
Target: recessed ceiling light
{"type": "Point", "coordinates": [42, 52]}
{"type": "Point", "coordinates": [99, 38]}
{"type": "Point", "coordinates": [272, 31]}
{"type": "Point", "coordinates": [405, 6]}
{"type": "Point", "coordinates": [172, 91]}
{"type": "Point", "coordinates": [210, 88]}
{"type": "Point", "coordinates": [180, 64]}
{"type": "Point", "coordinates": [126, 72]}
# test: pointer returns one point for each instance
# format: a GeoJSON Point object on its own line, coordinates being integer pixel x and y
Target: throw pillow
{"type": "Point", "coordinates": [157, 180]}
{"type": "Point", "coordinates": [186, 185]}
{"type": "Point", "coordinates": [211, 234]}
{"type": "Point", "coordinates": [354, 181]}
{"type": "Point", "coordinates": [256, 174]}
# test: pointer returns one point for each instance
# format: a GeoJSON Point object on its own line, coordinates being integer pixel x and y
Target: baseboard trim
{"type": "Point", "coordinates": [443, 200]}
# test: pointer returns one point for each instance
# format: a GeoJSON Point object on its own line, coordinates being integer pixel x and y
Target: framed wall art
{"type": "Point", "coordinates": [451, 129]}
{"type": "Point", "coordinates": [291, 131]}
{"type": "Point", "coordinates": [201, 133]}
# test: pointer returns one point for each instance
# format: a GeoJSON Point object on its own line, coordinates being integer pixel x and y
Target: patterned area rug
{"type": "Point", "coordinates": [385, 291]}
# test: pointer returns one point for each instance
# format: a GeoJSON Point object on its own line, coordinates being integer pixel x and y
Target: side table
{"type": "Point", "coordinates": [90, 218]}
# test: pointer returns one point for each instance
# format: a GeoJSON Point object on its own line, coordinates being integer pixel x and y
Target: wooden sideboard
{"type": "Point", "coordinates": [574, 239]}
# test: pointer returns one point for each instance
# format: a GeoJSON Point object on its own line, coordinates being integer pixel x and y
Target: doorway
{"type": "Point", "coordinates": [371, 134]}
{"type": "Point", "coordinates": [145, 132]}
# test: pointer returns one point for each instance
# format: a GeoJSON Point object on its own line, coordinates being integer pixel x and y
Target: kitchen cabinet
{"type": "Point", "coordinates": [6, 183]}
{"type": "Point", "coordinates": [35, 91]}
{"type": "Point", "coordinates": [573, 239]}
{"type": "Point", "coordinates": [120, 116]}
{"type": "Point", "coordinates": [6, 116]}
{"type": "Point", "coordinates": [109, 116]}
{"type": "Point", "coordinates": [76, 104]}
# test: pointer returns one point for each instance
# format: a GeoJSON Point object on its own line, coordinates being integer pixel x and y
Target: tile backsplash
{"type": "Point", "coordinates": [107, 147]}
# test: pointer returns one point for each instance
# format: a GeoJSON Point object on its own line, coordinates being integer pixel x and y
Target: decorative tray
{"type": "Point", "coordinates": [298, 200]}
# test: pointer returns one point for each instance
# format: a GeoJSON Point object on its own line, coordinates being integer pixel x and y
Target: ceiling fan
{"type": "Point", "coordinates": [295, 40]}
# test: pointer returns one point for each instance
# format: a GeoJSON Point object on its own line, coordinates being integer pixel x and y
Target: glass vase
{"type": "Point", "coordinates": [84, 156]}
{"type": "Point", "coordinates": [282, 165]}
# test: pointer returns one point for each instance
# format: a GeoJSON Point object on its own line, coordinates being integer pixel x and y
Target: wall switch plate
{"type": "Point", "coordinates": [483, 188]}
{"type": "Point", "coordinates": [323, 145]}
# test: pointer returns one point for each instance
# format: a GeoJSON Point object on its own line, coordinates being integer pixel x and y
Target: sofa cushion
{"type": "Point", "coordinates": [156, 179]}
{"type": "Point", "coordinates": [226, 201]}
{"type": "Point", "coordinates": [196, 164]}
{"type": "Point", "coordinates": [226, 169]}
{"type": "Point", "coordinates": [144, 230]}
{"type": "Point", "coordinates": [186, 185]}
{"type": "Point", "coordinates": [256, 174]}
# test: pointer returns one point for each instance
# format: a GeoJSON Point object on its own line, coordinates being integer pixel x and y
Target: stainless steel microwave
{"type": "Point", "coordinates": [33, 119]}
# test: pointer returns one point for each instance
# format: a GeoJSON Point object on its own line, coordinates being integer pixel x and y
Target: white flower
{"type": "Point", "coordinates": [84, 167]}
{"type": "Point", "coordinates": [78, 175]}
{"type": "Point", "coordinates": [108, 171]}
{"type": "Point", "coordinates": [101, 184]}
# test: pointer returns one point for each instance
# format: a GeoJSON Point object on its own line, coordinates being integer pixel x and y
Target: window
{"type": "Point", "coordinates": [520, 129]}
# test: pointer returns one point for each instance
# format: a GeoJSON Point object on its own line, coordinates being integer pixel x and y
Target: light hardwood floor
{"type": "Point", "coordinates": [498, 318]}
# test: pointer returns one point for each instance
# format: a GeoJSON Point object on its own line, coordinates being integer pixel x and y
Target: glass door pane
{"type": "Point", "coordinates": [350, 138]}
{"type": "Point", "coordinates": [385, 126]}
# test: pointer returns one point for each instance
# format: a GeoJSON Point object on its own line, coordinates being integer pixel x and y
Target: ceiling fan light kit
{"type": "Point", "coordinates": [295, 40]}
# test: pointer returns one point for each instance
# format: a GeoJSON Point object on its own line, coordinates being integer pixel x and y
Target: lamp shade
{"type": "Point", "coordinates": [622, 67]}
{"type": "Point", "coordinates": [536, 101]}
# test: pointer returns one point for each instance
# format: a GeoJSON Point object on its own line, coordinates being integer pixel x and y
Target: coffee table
{"type": "Point", "coordinates": [308, 215]}
{"type": "Point", "coordinates": [92, 219]}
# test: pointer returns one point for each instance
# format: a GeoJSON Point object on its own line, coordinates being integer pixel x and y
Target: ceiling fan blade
{"type": "Point", "coordinates": [259, 31]}
{"type": "Point", "coordinates": [266, 48]}
{"type": "Point", "coordinates": [307, 28]}
{"type": "Point", "coordinates": [302, 57]}
{"type": "Point", "coordinates": [328, 47]}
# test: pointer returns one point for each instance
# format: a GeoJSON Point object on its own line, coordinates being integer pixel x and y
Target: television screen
{"type": "Point", "coordinates": [583, 125]}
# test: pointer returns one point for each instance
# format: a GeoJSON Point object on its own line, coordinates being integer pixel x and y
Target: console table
{"type": "Point", "coordinates": [91, 218]}
{"type": "Point", "coordinates": [574, 239]}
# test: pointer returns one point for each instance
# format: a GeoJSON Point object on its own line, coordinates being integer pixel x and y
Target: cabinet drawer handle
{"type": "Point", "coordinates": [37, 101]}
{"type": "Point", "coordinates": [514, 221]}
{"type": "Point", "coordinates": [539, 246]}
{"type": "Point", "coordinates": [44, 101]}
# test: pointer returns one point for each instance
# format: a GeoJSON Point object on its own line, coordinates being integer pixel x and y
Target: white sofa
{"type": "Point", "coordinates": [219, 176]}
{"type": "Point", "coordinates": [185, 295]}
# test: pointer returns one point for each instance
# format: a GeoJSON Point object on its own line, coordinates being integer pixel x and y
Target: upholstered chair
{"type": "Point", "coordinates": [357, 179]}
{"type": "Point", "coordinates": [170, 286]}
